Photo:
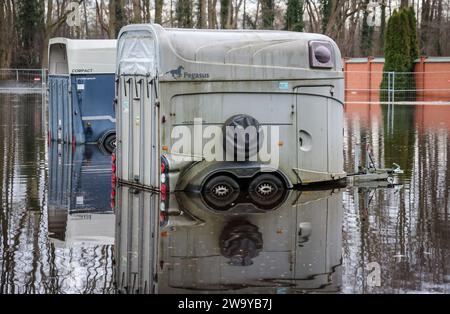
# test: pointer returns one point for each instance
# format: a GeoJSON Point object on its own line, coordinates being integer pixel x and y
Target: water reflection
{"type": "Point", "coordinates": [80, 218]}
{"type": "Point", "coordinates": [57, 227]}
{"type": "Point", "coordinates": [30, 260]}
{"type": "Point", "coordinates": [328, 243]}
{"type": "Point", "coordinates": [293, 248]}
{"type": "Point", "coordinates": [405, 230]}
{"type": "Point", "coordinates": [80, 194]}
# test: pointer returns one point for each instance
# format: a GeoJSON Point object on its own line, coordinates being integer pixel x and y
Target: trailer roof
{"type": "Point", "coordinates": [201, 50]}
{"type": "Point", "coordinates": [78, 56]}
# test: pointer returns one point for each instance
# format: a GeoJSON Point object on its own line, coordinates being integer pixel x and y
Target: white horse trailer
{"type": "Point", "coordinates": [178, 84]}
{"type": "Point", "coordinates": [81, 91]}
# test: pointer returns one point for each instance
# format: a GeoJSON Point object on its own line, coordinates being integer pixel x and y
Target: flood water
{"type": "Point", "coordinates": [59, 232]}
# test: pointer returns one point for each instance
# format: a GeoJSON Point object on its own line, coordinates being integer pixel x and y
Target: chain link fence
{"type": "Point", "coordinates": [397, 87]}
{"type": "Point", "coordinates": [23, 80]}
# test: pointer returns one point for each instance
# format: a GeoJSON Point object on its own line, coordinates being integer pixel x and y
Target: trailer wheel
{"type": "Point", "coordinates": [221, 191]}
{"type": "Point", "coordinates": [240, 142]}
{"type": "Point", "coordinates": [266, 190]}
{"type": "Point", "coordinates": [110, 143]}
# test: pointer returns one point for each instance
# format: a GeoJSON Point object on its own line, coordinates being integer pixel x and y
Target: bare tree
{"type": "Point", "coordinates": [212, 14]}
{"type": "Point", "coordinates": [159, 4]}
{"type": "Point", "coordinates": [201, 17]}
{"type": "Point", "coordinates": [137, 17]}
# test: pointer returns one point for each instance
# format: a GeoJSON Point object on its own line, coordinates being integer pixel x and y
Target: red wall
{"type": "Point", "coordinates": [432, 80]}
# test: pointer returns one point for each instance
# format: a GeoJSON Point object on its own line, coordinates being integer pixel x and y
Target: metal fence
{"type": "Point", "coordinates": [23, 80]}
{"type": "Point", "coordinates": [397, 87]}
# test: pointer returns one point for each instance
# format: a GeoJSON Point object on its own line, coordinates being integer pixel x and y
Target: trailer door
{"type": "Point", "coordinates": [312, 142]}
{"type": "Point", "coordinates": [137, 111]}
{"type": "Point", "coordinates": [319, 134]}
{"type": "Point", "coordinates": [137, 131]}
{"type": "Point", "coordinates": [94, 95]}
{"type": "Point", "coordinates": [60, 123]}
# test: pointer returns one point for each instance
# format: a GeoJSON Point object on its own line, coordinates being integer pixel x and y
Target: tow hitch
{"type": "Point", "coordinates": [370, 172]}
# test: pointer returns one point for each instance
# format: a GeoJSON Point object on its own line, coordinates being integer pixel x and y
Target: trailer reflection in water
{"type": "Point", "coordinates": [294, 246]}
{"type": "Point", "coordinates": [79, 212]}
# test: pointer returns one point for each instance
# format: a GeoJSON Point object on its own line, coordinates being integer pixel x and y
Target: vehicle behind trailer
{"type": "Point", "coordinates": [81, 91]}
{"type": "Point", "coordinates": [228, 110]}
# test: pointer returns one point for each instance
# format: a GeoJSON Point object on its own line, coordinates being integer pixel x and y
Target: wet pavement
{"type": "Point", "coordinates": [60, 234]}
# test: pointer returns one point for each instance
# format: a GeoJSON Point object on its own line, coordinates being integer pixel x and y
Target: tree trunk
{"type": "Point", "coordinates": [7, 33]}
{"type": "Point", "coordinates": [267, 13]}
{"type": "Point", "coordinates": [85, 20]}
{"type": "Point", "coordinates": [137, 18]}
{"type": "Point", "coordinates": [382, 27]}
{"type": "Point", "coordinates": [424, 29]}
{"type": "Point", "coordinates": [236, 13]}
{"type": "Point", "coordinates": [225, 13]}
{"type": "Point", "coordinates": [258, 8]}
{"type": "Point", "coordinates": [212, 14]}
{"type": "Point", "coordinates": [184, 13]}
{"type": "Point", "coordinates": [112, 19]}
{"type": "Point", "coordinates": [117, 18]}
{"type": "Point", "coordinates": [202, 14]}
{"type": "Point", "coordinates": [438, 27]}
{"type": "Point", "coordinates": [158, 11]}
{"type": "Point", "coordinates": [147, 13]}
{"type": "Point", "coordinates": [366, 32]}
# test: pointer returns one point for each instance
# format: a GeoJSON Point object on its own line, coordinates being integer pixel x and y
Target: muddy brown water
{"type": "Point", "coordinates": [58, 232]}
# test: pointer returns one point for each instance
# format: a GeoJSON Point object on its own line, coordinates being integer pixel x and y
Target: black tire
{"type": "Point", "coordinates": [250, 145]}
{"type": "Point", "coordinates": [267, 191]}
{"type": "Point", "coordinates": [240, 241]}
{"type": "Point", "coordinates": [110, 143]}
{"type": "Point", "coordinates": [220, 192]}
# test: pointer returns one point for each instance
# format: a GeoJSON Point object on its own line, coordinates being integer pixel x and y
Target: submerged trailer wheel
{"type": "Point", "coordinates": [266, 190]}
{"type": "Point", "coordinates": [240, 241]}
{"type": "Point", "coordinates": [221, 191]}
{"type": "Point", "coordinates": [109, 143]}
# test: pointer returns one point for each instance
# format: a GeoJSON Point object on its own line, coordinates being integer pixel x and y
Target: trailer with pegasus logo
{"type": "Point", "coordinates": [219, 111]}
{"type": "Point", "coordinates": [81, 91]}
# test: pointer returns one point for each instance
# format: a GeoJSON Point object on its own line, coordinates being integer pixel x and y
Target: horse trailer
{"type": "Point", "coordinates": [293, 248]}
{"type": "Point", "coordinates": [219, 111]}
{"type": "Point", "coordinates": [81, 91]}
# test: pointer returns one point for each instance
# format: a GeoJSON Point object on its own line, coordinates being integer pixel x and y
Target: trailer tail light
{"type": "Point", "coordinates": [165, 190]}
{"type": "Point", "coordinates": [320, 54]}
{"type": "Point", "coordinates": [113, 181]}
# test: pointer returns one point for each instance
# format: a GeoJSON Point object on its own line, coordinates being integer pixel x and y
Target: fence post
{"type": "Point", "coordinates": [393, 101]}
{"type": "Point", "coordinates": [393, 86]}
{"type": "Point", "coordinates": [422, 87]}
{"type": "Point", "coordinates": [389, 87]}
{"type": "Point", "coordinates": [43, 77]}
{"type": "Point", "coordinates": [356, 148]}
{"type": "Point", "coordinates": [369, 78]}
{"type": "Point", "coordinates": [17, 75]}
{"type": "Point", "coordinates": [345, 80]}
